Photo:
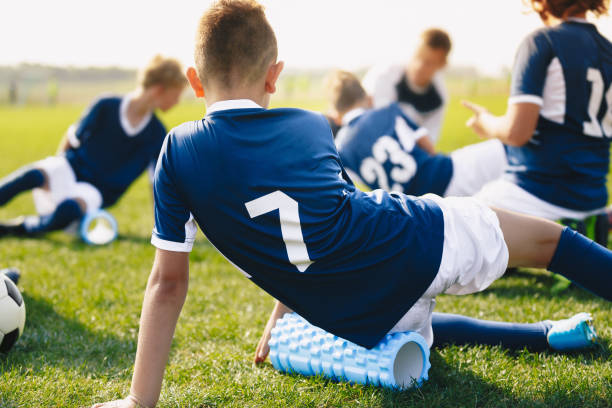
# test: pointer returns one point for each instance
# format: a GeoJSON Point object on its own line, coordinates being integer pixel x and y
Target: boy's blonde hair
{"type": "Point", "coordinates": [234, 43]}
{"type": "Point", "coordinates": [345, 91]}
{"type": "Point", "coordinates": [167, 72]}
{"type": "Point", "coordinates": [436, 39]}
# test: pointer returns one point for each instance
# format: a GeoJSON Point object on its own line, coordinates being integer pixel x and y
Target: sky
{"type": "Point", "coordinates": [348, 34]}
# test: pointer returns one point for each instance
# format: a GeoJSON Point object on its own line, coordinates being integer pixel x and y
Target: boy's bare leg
{"type": "Point", "coordinates": [531, 241]}
{"type": "Point", "coordinates": [535, 242]}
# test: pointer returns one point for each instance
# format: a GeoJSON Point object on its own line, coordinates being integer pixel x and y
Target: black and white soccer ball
{"type": "Point", "coordinates": [12, 313]}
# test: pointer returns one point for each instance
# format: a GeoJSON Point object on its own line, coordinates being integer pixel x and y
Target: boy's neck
{"type": "Point", "coordinates": [260, 98]}
{"type": "Point", "coordinates": [140, 105]}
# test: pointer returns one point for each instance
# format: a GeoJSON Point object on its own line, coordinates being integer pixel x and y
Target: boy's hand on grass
{"type": "Point", "coordinates": [129, 402]}
{"type": "Point", "coordinates": [124, 403]}
{"type": "Point", "coordinates": [263, 349]}
{"type": "Point", "coordinates": [476, 121]}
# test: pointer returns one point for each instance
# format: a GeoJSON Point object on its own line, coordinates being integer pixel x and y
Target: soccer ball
{"type": "Point", "coordinates": [12, 314]}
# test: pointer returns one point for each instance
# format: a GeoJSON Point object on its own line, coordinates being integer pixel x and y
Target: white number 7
{"type": "Point", "coordinates": [291, 229]}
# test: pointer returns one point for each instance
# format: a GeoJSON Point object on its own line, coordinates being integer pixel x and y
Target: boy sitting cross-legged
{"type": "Point", "coordinates": [268, 190]}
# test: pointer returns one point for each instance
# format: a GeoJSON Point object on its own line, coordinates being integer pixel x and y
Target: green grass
{"type": "Point", "coordinates": [83, 307]}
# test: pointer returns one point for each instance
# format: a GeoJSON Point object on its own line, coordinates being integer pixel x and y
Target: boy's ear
{"type": "Point", "coordinates": [272, 75]}
{"type": "Point", "coordinates": [194, 81]}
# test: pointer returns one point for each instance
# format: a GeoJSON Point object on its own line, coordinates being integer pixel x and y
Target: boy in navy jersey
{"type": "Point", "coordinates": [269, 191]}
{"type": "Point", "coordinates": [100, 156]}
{"type": "Point", "coordinates": [558, 125]}
{"type": "Point", "coordinates": [418, 86]}
{"type": "Point", "coordinates": [383, 148]}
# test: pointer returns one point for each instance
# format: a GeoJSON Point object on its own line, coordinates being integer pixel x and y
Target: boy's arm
{"type": "Point", "coordinates": [262, 348]}
{"type": "Point", "coordinates": [163, 301]}
{"type": "Point", "coordinates": [515, 128]}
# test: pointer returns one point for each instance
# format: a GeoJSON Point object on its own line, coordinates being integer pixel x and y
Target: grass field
{"type": "Point", "coordinates": [83, 307]}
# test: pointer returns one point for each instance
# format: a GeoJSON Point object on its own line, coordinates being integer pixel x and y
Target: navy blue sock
{"type": "Point", "coordinates": [461, 330]}
{"type": "Point", "coordinates": [584, 262]}
{"type": "Point", "coordinates": [65, 213]}
{"type": "Point", "coordinates": [22, 180]}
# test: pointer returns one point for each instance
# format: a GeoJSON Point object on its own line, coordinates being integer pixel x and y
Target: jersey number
{"type": "Point", "coordinates": [593, 127]}
{"type": "Point", "coordinates": [291, 229]}
{"type": "Point", "coordinates": [372, 170]}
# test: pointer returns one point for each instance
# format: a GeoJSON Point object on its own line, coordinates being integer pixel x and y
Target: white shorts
{"type": "Point", "coordinates": [63, 185]}
{"type": "Point", "coordinates": [474, 166]}
{"type": "Point", "coordinates": [474, 255]}
{"type": "Point", "coordinates": [505, 194]}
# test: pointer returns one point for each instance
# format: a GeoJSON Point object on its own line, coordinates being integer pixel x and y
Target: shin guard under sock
{"type": "Point", "coordinates": [584, 262]}
{"type": "Point", "coordinates": [460, 330]}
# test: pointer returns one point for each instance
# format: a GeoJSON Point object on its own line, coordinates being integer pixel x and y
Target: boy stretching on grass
{"type": "Point", "coordinates": [100, 156]}
{"type": "Point", "coordinates": [268, 190]}
{"type": "Point", "coordinates": [383, 148]}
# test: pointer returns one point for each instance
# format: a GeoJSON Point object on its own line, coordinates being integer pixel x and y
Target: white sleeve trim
{"type": "Point", "coordinates": [159, 243]}
{"type": "Point", "coordinates": [535, 99]}
{"type": "Point", "coordinates": [72, 138]}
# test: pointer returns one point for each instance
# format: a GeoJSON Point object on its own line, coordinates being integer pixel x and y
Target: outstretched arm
{"type": "Point", "coordinates": [515, 128]}
{"type": "Point", "coordinates": [163, 301]}
{"type": "Point", "coordinates": [262, 348]}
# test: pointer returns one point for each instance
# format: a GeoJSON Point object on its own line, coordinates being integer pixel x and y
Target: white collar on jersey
{"type": "Point", "coordinates": [125, 122]}
{"type": "Point", "coordinates": [352, 114]}
{"type": "Point", "coordinates": [232, 104]}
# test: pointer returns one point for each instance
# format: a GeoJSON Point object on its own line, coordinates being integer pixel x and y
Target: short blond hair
{"type": "Point", "coordinates": [234, 43]}
{"type": "Point", "coordinates": [164, 71]}
{"type": "Point", "coordinates": [345, 91]}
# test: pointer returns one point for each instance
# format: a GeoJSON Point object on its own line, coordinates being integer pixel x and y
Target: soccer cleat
{"type": "Point", "coordinates": [11, 273]}
{"type": "Point", "coordinates": [13, 227]}
{"type": "Point", "coordinates": [574, 333]}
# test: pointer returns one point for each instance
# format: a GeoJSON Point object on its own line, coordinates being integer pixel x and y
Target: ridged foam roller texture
{"type": "Point", "coordinates": [400, 360]}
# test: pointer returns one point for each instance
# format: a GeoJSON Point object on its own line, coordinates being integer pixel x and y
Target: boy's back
{"type": "Point", "coordinates": [266, 188]}
{"type": "Point", "coordinates": [380, 147]}
{"type": "Point", "coordinates": [566, 69]}
{"type": "Point", "coordinates": [110, 153]}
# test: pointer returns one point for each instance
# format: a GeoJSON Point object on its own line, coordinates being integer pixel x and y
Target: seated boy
{"type": "Point", "coordinates": [417, 86]}
{"type": "Point", "coordinates": [268, 190]}
{"type": "Point", "coordinates": [383, 148]}
{"type": "Point", "coordinates": [100, 156]}
{"type": "Point", "coordinates": [557, 128]}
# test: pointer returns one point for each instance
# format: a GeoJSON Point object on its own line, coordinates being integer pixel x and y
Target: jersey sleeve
{"type": "Point", "coordinates": [379, 82]}
{"type": "Point", "coordinates": [175, 228]}
{"type": "Point", "coordinates": [530, 68]}
{"type": "Point", "coordinates": [82, 130]}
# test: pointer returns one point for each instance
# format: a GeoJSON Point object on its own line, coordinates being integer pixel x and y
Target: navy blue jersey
{"type": "Point", "coordinates": [379, 148]}
{"type": "Point", "coordinates": [267, 189]}
{"type": "Point", "coordinates": [567, 70]}
{"type": "Point", "coordinates": [106, 156]}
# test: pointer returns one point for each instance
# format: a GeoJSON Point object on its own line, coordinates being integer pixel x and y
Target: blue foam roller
{"type": "Point", "coordinates": [98, 228]}
{"type": "Point", "coordinates": [399, 361]}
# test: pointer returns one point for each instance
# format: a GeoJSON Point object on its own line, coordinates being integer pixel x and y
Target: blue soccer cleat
{"type": "Point", "coordinates": [574, 333]}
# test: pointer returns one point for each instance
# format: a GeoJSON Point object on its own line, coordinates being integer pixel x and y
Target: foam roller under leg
{"type": "Point", "coordinates": [399, 361]}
